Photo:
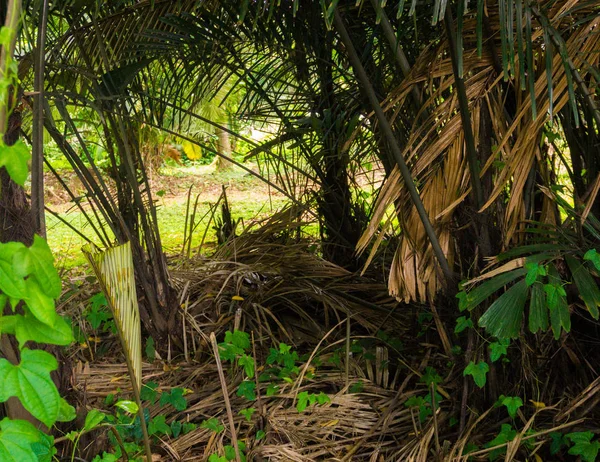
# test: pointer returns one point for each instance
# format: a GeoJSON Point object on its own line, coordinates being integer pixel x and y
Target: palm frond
{"type": "Point", "coordinates": [113, 268]}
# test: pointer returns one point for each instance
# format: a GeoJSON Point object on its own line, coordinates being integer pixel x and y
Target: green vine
{"type": "Point", "coordinates": [29, 286]}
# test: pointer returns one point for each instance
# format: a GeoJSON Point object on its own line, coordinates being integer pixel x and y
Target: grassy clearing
{"type": "Point", "coordinates": [249, 198]}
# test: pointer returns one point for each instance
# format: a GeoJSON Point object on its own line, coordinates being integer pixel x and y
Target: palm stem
{"type": "Point", "coordinates": [472, 156]}
{"type": "Point", "coordinates": [37, 160]}
{"type": "Point", "coordinates": [398, 52]}
{"type": "Point", "coordinates": [389, 134]}
{"type": "Point", "coordinates": [465, 114]}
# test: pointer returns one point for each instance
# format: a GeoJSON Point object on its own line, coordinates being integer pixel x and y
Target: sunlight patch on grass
{"type": "Point", "coordinates": [66, 244]}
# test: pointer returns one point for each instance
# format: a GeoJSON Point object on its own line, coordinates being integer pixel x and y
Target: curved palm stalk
{"type": "Point", "coordinates": [114, 270]}
{"type": "Point", "coordinates": [465, 116]}
{"type": "Point", "coordinates": [37, 160]}
{"type": "Point", "coordinates": [387, 129]}
{"type": "Point", "coordinates": [13, 10]}
{"type": "Point", "coordinates": [399, 54]}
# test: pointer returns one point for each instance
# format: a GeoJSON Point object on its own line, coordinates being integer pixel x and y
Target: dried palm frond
{"type": "Point", "coordinates": [436, 149]}
{"type": "Point", "coordinates": [114, 270]}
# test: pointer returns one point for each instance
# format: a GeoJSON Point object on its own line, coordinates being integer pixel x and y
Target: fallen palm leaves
{"type": "Point", "coordinates": [386, 412]}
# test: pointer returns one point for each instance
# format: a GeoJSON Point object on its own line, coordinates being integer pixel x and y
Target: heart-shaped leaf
{"type": "Point", "coordinates": [512, 403]}
{"type": "Point", "coordinates": [15, 158]}
{"type": "Point", "coordinates": [30, 382]}
{"type": "Point", "coordinates": [93, 419]}
{"type": "Point", "coordinates": [43, 267]}
{"type": "Point", "coordinates": [29, 328]}
{"type": "Point", "coordinates": [40, 304]}
{"type": "Point", "coordinates": [16, 439]}
{"type": "Point", "coordinates": [10, 283]}
{"type": "Point", "coordinates": [128, 406]}
{"type": "Point", "coordinates": [478, 372]}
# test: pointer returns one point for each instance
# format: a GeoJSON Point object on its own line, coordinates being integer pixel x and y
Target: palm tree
{"type": "Point", "coordinates": [471, 90]}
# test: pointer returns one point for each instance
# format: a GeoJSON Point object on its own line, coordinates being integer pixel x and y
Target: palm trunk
{"type": "Point", "coordinates": [224, 148]}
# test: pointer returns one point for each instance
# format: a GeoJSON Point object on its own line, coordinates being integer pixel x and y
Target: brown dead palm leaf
{"type": "Point", "coordinates": [114, 270]}
{"type": "Point", "coordinates": [437, 155]}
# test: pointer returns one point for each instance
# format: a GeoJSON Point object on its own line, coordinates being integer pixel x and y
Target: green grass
{"type": "Point", "coordinates": [66, 244]}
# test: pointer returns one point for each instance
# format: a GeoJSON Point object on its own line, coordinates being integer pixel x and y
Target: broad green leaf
{"type": "Point", "coordinates": [558, 442]}
{"type": "Point", "coordinates": [431, 376]}
{"type": "Point", "coordinates": [415, 401]}
{"type": "Point", "coordinates": [433, 400]}
{"type": "Point", "coordinates": [97, 315]}
{"type": "Point", "coordinates": [150, 349]}
{"type": "Point", "coordinates": [552, 295]}
{"type": "Point", "coordinates": [238, 338]}
{"type": "Point", "coordinates": [128, 406]}
{"type": "Point", "coordinates": [43, 267]}
{"type": "Point", "coordinates": [260, 434]}
{"type": "Point", "coordinates": [463, 300]}
{"type": "Point", "coordinates": [99, 301]}
{"type": "Point", "coordinates": [483, 291]}
{"type": "Point", "coordinates": [584, 446]}
{"type": "Point", "coordinates": [174, 398]}
{"type": "Point", "coordinates": [149, 392]}
{"type": "Point", "coordinates": [303, 400]}
{"type": "Point", "coordinates": [272, 389]}
{"type": "Point", "coordinates": [29, 328]}
{"type": "Point", "coordinates": [247, 389]}
{"type": "Point", "coordinates": [40, 304]}
{"type": "Point", "coordinates": [30, 382]}
{"type": "Point", "coordinates": [217, 458]}
{"type": "Point", "coordinates": [44, 448]}
{"type": "Point", "coordinates": [188, 427]}
{"type": "Point", "coordinates": [158, 425]}
{"type": "Point", "coordinates": [230, 452]}
{"type": "Point", "coordinates": [533, 270]}
{"type": "Point", "coordinates": [507, 433]}
{"type": "Point", "coordinates": [462, 323]}
{"type": "Point", "coordinates": [15, 159]}
{"type": "Point", "coordinates": [229, 352]}
{"type": "Point", "coordinates": [247, 413]}
{"type": "Point", "coordinates": [212, 424]}
{"type": "Point", "coordinates": [499, 349]}
{"type": "Point", "coordinates": [504, 318]}
{"type": "Point", "coordinates": [593, 256]}
{"type": "Point", "coordinates": [538, 311]}
{"type": "Point", "coordinates": [6, 36]}
{"type": "Point", "coordinates": [93, 418]}
{"type": "Point", "coordinates": [66, 412]}
{"type": "Point", "coordinates": [478, 372]}
{"type": "Point", "coordinates": [247, 362]}
{"type": "Point", "coordinates": [560, 318]}
{"type": "Point", "coordinates": [512, 403]}
{"type": "Point", "coordinates": [176, 427]}
{"type": "Point", "coordinates": [580, 437]}
{"type": "Point", "coordinates": [322, 398]}
{"type": "Point", "coordinates": [9, 251]}
{"type": "Point", "coordinates": [10, 283]}
{"type": "Point", "coordinates": [16, 441]}
{"type": "Point", "coordinates": [7, 324]}
{"type": "Point", "coordinates": [587, 286]}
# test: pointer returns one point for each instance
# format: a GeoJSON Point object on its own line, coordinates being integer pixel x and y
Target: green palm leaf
{"type": "Point", "coordinates": [586, 285]}
{"type": "Point", "coordinates": [504, 318]}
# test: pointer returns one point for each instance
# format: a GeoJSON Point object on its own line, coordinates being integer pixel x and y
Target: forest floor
{"type": "Point", "coordinates": [249, 198]}
{"type": "Point", "coordinates": [319, 363]}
